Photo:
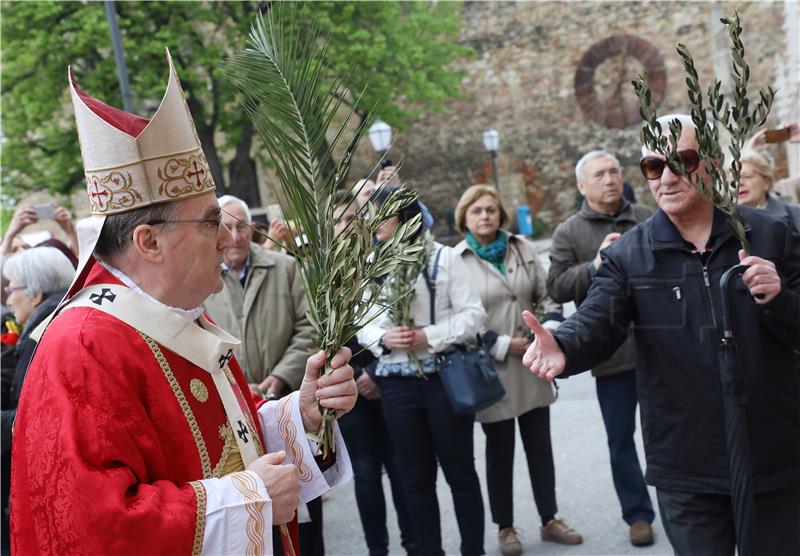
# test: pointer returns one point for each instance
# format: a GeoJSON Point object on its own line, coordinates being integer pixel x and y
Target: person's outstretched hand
{"type": "Point", "coordinates": [544, 357]}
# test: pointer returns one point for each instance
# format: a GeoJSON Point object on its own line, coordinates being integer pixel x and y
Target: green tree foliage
{"type": "Point", "coordinates": [403, 52]}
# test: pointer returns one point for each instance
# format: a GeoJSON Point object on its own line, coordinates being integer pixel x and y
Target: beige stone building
{"type": "Point", "coordinates": [554, 79]}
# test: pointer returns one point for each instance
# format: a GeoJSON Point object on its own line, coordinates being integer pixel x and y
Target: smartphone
{"type": "Point", "coordinates": [274, 212]}
{"type": "Point", "coordinates": [777, 135]}
{"type": "Point", "coordinates": [44, 212]}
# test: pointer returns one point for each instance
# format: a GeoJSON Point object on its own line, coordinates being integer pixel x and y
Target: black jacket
{"type": "Point", "coordinates": [651, 278]}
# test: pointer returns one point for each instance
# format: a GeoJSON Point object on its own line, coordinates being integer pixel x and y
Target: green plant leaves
{"type": "Point", "coordinates": [739, 120]}
{"type": "Point", "coordinates": [296, 110]}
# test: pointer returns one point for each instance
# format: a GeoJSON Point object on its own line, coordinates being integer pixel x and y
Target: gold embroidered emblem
{"type": "Point", "coordinates": [231, 459]}
{"type": "Point", "coordinates": [181, 176]}
{"type": "Point", "coordinates": [111, 191]}
{"type": "Point", "coordinates": [198, 390]}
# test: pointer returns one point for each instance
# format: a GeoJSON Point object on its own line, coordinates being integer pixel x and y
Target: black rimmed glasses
{"type": "Point", "coordinates": [652, 166]}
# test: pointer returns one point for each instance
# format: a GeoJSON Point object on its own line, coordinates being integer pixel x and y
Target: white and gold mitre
{"type": "Point", "coordinates": [130, 162]}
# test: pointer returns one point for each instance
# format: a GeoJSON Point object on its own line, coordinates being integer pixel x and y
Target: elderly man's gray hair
{"type": "Point", "coordinates": [43, 270]}
{"type": "Point", "coordinates": [231, 200]}
{"type": "Point", "coordinates": [591, 156]}
{"type": "Point", "coordinates": [684, 119]}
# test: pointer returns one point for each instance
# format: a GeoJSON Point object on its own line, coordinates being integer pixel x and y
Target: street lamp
{"type": "Point", "coordinates": [491, 142]}
{"type": "Point", "coordinates": [380, 135]}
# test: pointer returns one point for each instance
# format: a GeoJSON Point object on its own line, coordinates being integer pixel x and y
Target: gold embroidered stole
{"type": "Point", "coordinates": [206, 346]}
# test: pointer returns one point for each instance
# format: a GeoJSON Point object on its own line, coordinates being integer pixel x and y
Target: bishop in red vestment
{"type": "Point", "coordinates": [136, 432]}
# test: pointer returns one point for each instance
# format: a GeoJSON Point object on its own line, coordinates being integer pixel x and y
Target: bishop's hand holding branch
{"type": "Point", "coordinates": [336, 390]}
{"type": "Point", "coordinates": [543, 357]}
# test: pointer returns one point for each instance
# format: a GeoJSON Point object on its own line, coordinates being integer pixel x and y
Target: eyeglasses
{"type": "Point", "coordinates": [652, 166]}
{"type": "Point", "coordinates": [214, 223]}
{"type": "Point", "coordinates": [9, 289]}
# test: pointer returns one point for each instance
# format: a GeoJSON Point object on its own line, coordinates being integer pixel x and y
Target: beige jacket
{"type": "Point", "coordinates": [269, 315]}
{"type": "Point", "coordinates": [505, 297]}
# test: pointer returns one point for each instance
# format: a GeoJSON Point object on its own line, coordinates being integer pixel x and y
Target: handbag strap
{"type": "Point", "coordinates": [430, 281]}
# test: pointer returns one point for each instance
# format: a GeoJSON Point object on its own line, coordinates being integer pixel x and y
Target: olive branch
{"type": "Point", "coordinates": [739, 118]}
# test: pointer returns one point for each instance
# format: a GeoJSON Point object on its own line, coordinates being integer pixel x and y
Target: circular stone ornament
{"type": "Point", "coordinates": [603, 79]}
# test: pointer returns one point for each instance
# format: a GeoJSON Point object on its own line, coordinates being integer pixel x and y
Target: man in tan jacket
{"type": "Point", "coordinates": [262, 303]}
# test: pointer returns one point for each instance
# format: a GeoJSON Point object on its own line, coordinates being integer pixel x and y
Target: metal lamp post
{"type": "Point", "coordinates": [491, 142]}
{"type": "Point", "coordinates": [380, 135]}
{"type": "Point", "coordinates": [119, 56]}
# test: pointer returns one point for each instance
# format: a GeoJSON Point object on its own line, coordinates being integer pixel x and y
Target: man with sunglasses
{"type": "Point", "coordinates": [574, 259]}
{"type": "Point", "coordinates": [662, 278]}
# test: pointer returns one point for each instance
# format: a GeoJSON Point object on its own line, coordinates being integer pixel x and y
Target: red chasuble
{"type": "Point", "coordinates": [113, 434]}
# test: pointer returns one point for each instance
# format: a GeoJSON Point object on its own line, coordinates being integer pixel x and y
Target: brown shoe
{"type": "Point", "coordinates": [558, 531]}
{"type": "Point", "coordinates": [509, 542]}
{"type": "Point", "coordinates": [641, 534]}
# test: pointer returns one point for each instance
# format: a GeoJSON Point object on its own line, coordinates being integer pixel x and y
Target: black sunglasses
{"type": "Point", "coordinates": [652, 166]}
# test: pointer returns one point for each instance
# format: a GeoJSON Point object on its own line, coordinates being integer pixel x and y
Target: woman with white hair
{"type": "Point", "coordinates": [755, 182]}
{"type": "Point", "coordinates": [38, 279]}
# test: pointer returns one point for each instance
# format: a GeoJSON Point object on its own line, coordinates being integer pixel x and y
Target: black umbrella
{"type": "Point", "coordinates": [734, 401]}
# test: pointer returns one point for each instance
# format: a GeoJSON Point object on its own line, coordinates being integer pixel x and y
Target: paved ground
{"type": "Point", "coordinates": [584, 488]}
{"type": "Point", "coordinates": [586, 496]}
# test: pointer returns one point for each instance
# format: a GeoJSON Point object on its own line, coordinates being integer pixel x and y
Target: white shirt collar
{"type": "Point", "coordinates": [243, 272]}
{"type": "Point", "coordinates": [191, 314]}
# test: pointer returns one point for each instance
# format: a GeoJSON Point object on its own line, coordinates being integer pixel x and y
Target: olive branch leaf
{"type": "Point", "coordinates": [736, 116]}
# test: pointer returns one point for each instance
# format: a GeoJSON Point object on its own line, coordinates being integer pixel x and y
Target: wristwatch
{"type": "Point", "coordinates": [383, 346]}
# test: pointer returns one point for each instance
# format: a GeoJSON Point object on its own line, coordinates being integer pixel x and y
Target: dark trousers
{"type": "Point", "coordinates": [424, 429]}
{"type": "Point", "coordinates": [700, 524]}
{"type": "Point", "coordinates": [367, 439]}
{"type": "Point", "coordinates": [534, 427]}
{"type": "Point", "coordinates": [617, 397]}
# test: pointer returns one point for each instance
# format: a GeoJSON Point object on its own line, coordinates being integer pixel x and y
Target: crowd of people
{"type": "Point", "coordinates": [645, 283]}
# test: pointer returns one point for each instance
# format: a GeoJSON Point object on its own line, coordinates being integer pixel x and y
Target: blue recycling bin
{"type": "Point", "coordinates": [524, 220]}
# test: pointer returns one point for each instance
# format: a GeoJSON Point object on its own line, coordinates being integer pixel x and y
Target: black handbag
{"type": "Point", "coordinates": [466, 371]}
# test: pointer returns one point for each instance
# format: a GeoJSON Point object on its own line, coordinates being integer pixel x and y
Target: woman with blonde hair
{"type": "Point", "coordinates": [755, 182]}
{"type": "Point", "coordinates": [504, 269]}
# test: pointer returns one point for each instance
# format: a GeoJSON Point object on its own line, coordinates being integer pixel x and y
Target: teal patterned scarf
{"type": "Point", "coordinates": [495, 252]}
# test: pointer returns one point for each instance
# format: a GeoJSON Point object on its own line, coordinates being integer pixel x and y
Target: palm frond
{"type": "Point", "coordinates": [294, 103]}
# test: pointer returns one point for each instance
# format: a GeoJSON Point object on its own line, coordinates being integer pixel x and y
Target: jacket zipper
{"type": "Point", "coordinates": [708, 292]}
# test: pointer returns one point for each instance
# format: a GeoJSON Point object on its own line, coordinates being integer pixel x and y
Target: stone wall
{"type": "Point", "coordinates": [521, 81]}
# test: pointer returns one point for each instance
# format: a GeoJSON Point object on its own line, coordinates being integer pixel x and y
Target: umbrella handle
{"type": "Point", "coordinates": [725, 284]}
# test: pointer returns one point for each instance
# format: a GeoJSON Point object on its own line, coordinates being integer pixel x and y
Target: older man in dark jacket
{"type": "Point", "coordinates": [574, 260]}
{"type": "Point", "coordinates": [663, 277]}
